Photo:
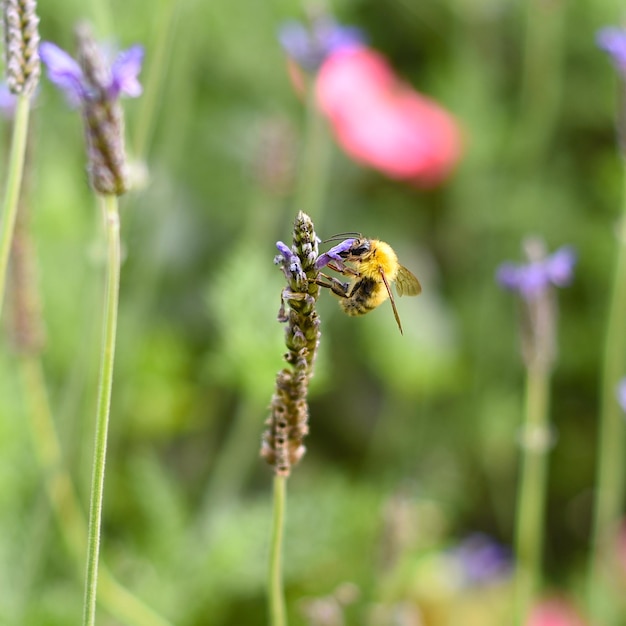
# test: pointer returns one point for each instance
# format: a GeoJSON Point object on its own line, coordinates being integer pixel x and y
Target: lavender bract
{"type": "Point", "coordinates": [309, 46]}
{"type": "Point", "coordinates": [95, 84]}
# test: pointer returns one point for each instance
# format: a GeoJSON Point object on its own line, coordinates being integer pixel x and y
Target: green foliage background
{"type": "Point", "coordinates": [420, 428]}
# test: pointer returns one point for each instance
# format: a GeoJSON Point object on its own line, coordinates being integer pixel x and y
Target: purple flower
{"type": "Point", "coordinates": [482, 560]}
{"type": "Point", "coordinates": [613, 41]}
{"type": "Point", "coordinates": [309, 46]}
{"type": "Point", "coordinates": [532, 279]}
{"type": "Point", "coordinates": [66, 73]}
{"type": "Point", "coordinates": [334, 254]}
{"type": "Point", "coordinates": [620, 392]}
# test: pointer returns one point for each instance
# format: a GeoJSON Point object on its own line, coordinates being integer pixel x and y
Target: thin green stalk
{"type": "Point", "coordinates": [111, 217]}
{"type": "Point", "coordinates": [157, 73]}
{"type": "Point", "coordinates": [58, 484]}
{"type": "Point", "coordinates": [532, 491]}
{"type": "Point", "coordinates": [64, 500]}
{"type": "Point", "coordinates": [235, 459]}
{"type": "Point", "coordinates": [314, 161]}
{"type": "Point", "coordinates": [542, 77]}
{"type": "Point", "coordinates": [610, 471]}
{"type": "Point", "coordinates": [13, 185]}
{"type": "Point", "coordinates": [276, 593]}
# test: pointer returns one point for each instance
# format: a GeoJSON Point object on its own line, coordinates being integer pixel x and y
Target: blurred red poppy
{"type": "Point", "coordinates": [382, 122]}
{"type": "Point", "coordinates": [555, 612]}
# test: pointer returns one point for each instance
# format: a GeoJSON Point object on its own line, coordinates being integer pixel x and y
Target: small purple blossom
{"type": "Point", "coordinates": [309, 46]}
{"type": "Point", "coordinates": [613, 41]}
{"type": "Point", "coordinates": [482, 560]}
{"type": "Point", "coordinates": [334, 254]}
{"type": "Point", "coordinates": [620, 392]}
{"type": "Point", "coordinates": [287, 258]}
{"type": "Point", "coordinates": [67, 74]}
{"type": "Point", "coordinates": [532, 279]}
{"type": "Point", "coordinates": [8, 100]}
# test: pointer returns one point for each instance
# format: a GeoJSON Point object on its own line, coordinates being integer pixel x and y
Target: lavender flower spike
{"type": "Point", "coordinates": [21, 40]}
{"type": "Point", "coordinates": [95, 85]}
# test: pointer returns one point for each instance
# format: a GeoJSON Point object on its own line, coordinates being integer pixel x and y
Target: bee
{"type": "Point", "coordinates": [373, 267]}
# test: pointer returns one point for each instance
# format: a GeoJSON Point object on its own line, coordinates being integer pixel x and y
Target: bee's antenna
{"type": "Point", "coordinates": [340, 236]}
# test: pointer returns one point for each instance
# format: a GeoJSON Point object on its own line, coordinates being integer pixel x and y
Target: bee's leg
{"type": "Point", "coordinates": [344, 270]}
{"type": "Point", "coordinates": [336, 286]}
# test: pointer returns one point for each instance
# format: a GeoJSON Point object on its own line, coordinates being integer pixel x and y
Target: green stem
{"type": "Point", "coordinates": [235, 459]}
{"type": "Point", "coordinates": [531, 497]}
{"type": "Point", "coordinates": [314, 161]}
{"type": "Point", "coordinates": [13, 185]}
{"type": "Point", "coordinates": [276, 592]}
{"type": "Point", "coordinates": [109, 205]}
{"type": "Point", "coordinates": [64, 501]}
{"type": "Point", "coordinates": [610, 470]}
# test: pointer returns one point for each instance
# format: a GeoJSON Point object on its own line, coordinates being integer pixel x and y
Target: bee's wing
{"type": "Point", "coordinates": [393, 302]}
{"type": "Point", "coordinates": [406, 283]}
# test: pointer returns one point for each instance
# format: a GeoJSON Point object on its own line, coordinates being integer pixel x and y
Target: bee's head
{"type": "Point", "coordinates": [359, 248]}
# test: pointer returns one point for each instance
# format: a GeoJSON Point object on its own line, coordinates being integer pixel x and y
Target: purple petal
{"type": "Point", "coordinates": [125, 72]}
{"type": "Point", "coordinates": [533, 280]}
{"type": "Point", "coordinates": [613, 41]}
{"type": "Point", "coordinates": [334, 254]}
{"type": "Point", "coordinates": [285, 251]}
{"type": "Point", "coordinates": [560, 266]}
{"type": "Point", "coordinates": [527, 280]}
{"type": "Point", "coordinates": [63, 71]}
{"type": "Point", "coordinates": [508, 276]}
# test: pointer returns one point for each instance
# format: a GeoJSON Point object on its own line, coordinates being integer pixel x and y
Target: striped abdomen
{"type": "Point", "coordinates": [366, 294]}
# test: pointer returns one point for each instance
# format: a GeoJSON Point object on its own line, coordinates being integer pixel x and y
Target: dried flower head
{"type": "Point", "coordinates": [534, 282]}
{"type": "Point", "coordinates": [27, 330]}
{"type": "Point", "coordinates": [287, 424]}
{"type": "Point", "coordinates": [95, 84]}
{"type": "Point", "coordinates": [21, 42]}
